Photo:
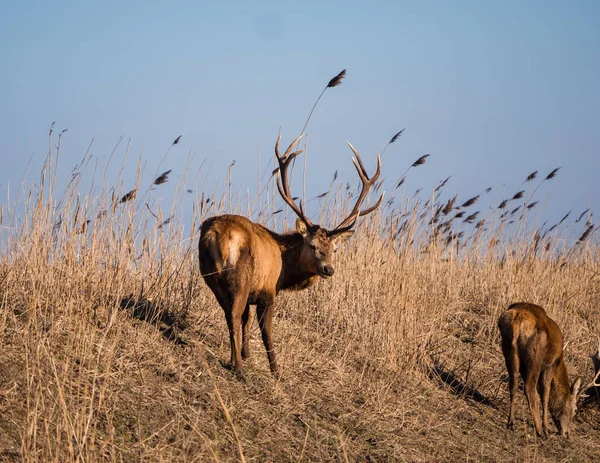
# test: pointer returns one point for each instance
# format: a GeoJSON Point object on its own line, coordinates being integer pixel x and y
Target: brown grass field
{"type": "Point", "coordinates": [113, 348]}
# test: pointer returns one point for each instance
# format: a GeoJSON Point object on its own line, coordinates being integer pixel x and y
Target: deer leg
{"type": "Point", "coordinates": [531, 381]}
{"type": "Point", "coordinates": [544, 390]}
{"type": "Point", "coordinates": [234, 322]}
{"type": "Point", "coordinates": [246, 322]}
{"type": "Point", "coordinates": [512, 365]}
{"type": "Point", "coordinates": [264, 311]}
{"type": "Point", "coordinates": [224, 300]}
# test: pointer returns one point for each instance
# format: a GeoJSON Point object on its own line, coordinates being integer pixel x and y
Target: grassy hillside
{"type": "Point", "coordinates": [113, 349]}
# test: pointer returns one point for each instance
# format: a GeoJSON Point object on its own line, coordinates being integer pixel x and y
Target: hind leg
{"type": "Point", "coordinates": [512, 365]}
{"type": "Point", "coordinates": [234, 323]}
{"type": "Point", "coordinates": [233, 305]}
{"type": "Point", "coordinates": [246, 323]}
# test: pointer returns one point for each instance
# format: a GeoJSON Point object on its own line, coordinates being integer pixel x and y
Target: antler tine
{"type": "Point", "coordinates": [596, 358]}
{"type": "Point", "coordinates": [289, 149]}
{"type": "Point", "coordinates": [367, 182]}
{"type": "Point", "coordinates": [282, 181]}
{"type": "Point", "coordinates": [339, 229]}
{"type": "Point", "coordinates": [596, 361]}
{"type": "Point", "coordinates": [592, 383]}
{"type": "Point", "coordinates": [373, 207]}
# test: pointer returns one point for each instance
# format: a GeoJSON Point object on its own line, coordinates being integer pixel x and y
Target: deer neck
{"type": "Point", "coordinates": [560, 390]}
{"type": "Point", "coordinates": [292, 276]}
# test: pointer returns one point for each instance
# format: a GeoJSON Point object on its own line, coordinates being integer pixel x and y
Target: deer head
{"type": "Point", "coordinates": [320, 244]}
{"type": "Point", "coordinates": [564, 420]}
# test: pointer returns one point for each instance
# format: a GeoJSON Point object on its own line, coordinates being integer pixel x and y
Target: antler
{"type": "Point", "coordinates": [596, 360]}
{"type": "Point", "coordinates": [367, 182]}
{"type": "Point", "coordinates": [282, 181]}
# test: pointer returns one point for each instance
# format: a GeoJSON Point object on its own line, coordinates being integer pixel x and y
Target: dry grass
{"type": "Point", "coordinates": [114, 349]}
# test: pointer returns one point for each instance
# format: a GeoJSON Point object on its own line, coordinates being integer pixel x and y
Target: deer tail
{"type": "Point", "coordinates": [210, 250]}
{"type": "Point", "coordinates": [508, 328]}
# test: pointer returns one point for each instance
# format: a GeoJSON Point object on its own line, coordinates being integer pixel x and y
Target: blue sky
{"type": "Point", "coordinates": [492, 90]}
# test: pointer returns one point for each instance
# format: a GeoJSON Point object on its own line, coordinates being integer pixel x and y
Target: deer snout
{"type": "Point", "coordinates": [327, 270]}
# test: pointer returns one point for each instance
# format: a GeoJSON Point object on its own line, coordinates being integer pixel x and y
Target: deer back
{"type": "Point", "coordinates": [536, 336]}
{"type": "Point", "coordinates": [242, 249]}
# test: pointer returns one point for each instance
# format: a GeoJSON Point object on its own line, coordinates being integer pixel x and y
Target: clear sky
{"type": "Point", "coordinates": [492, 90]}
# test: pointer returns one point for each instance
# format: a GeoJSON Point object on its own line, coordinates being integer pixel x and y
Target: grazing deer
{"type": "Point", "coordinates": [244, 263]}
{"type": "Point", "coordinates": [532, 344]}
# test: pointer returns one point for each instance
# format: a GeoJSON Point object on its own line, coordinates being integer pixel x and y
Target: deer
{"type": "Point", "coordinates": [245, 263]}
{"type": "Point", "coordinates": [532, 344]}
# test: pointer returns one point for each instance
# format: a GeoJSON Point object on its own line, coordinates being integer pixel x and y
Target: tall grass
{"type": "Point", "coordinates": [101, 303]}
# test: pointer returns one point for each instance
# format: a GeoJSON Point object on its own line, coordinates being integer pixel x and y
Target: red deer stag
{"type": "Point", "coordinates": [244, 263]}
{"type": "Point", "coordinates": [532, 344]}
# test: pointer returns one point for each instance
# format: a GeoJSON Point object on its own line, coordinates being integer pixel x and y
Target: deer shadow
{"type": "Point", "coordinates": [170, 324]}
{"type": "Point", "coordinates": [441, 374]}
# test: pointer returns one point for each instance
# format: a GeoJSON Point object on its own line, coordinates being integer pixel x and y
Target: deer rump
{"type": "Point", "coordinates": [522, 330]}
{"type": "Point", "coordinates": [241, 253]}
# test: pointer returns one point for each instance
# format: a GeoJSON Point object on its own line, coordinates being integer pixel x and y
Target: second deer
{"type": "Point", "coordinates": [532, 344]}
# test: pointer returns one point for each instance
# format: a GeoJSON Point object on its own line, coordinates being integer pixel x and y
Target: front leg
{"type": "Point", "coordinates": [264, 312]}
{"type": "Point", "coordinates": [544, 391]}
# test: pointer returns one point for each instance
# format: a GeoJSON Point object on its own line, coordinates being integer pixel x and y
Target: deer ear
{"type": "Point", "coordinates": [576, 386]}
{"type": "Point", "coordinates": [301, 227]}
{"type": "Point", "coordinates": [345, 236]}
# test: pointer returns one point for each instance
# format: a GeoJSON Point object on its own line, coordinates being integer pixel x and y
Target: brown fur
{"type": "Point", "coordinates": [532, 344]}
{"type": "Point", "coordinates": [244, 263]}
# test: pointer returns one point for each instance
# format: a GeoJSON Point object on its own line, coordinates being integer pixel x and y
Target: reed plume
{"type": "Point", "coordinates": [420, 161]}
{"type": "Point", "coordinates": [336, 81]}
{"type": "Point", "coordinates": [392, 140]}
{"type": "Point", "coordinates": [471, 218]}
{"type": "Point", "coordinates": [449, 205]}
{"type": "Point", "coordinates": [582, 214]}
{"type": "Point", "coordinates": [470, 201]}
{"type": "Point", "coordinates": [586, 234]}
{"type": "Point", "coordinates": [531, 176]}
{"type": "Point", "coordinates": [162, 178]}
{"type": "Point", "coordinates": [552, 174]}
{"type": "Point", "coordinates": [442, 184]}
{"type": "Point", "coordinates": [130, 195]}
{"type": "Point", "coordinates": [564, 218]}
